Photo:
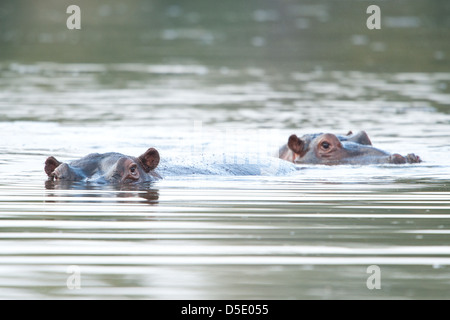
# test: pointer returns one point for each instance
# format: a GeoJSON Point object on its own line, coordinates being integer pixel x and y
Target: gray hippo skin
{"type": "Point", "coordinates": [330, 149]}
{"type": "Point", "coordinates": [107, 167]}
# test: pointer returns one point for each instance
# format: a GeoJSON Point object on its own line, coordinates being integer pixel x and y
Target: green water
{"type": "Point", "coordinates": [200, 78]}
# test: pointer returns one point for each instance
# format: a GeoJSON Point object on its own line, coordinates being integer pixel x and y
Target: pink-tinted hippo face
{"type": "Point", "coordinates": [108, 167]}
{"type": "Point", "coordinates": [330, 149]}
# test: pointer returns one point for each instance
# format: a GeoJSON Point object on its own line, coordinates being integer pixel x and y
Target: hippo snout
{"type": "Point", "coordinates": [58, 173]}
{"type": "Point", "coordinates": [399, 159]}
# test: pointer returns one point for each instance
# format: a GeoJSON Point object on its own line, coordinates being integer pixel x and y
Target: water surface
{"type": "Point", "coordinates": [195, 87]}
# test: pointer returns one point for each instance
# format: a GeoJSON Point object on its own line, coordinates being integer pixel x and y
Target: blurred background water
{"type": "Point", "coordinates": [203, 77]}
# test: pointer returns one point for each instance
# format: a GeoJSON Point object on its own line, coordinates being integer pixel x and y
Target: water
{"type": "Point", "coordinates": [310, 233]}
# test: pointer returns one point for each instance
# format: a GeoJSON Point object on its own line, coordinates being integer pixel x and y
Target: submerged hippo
{"type": "Point", "coordinates": [107, 167]}
{"type": "Point", "coordinates": [330, 149]}
{"type": "Point", "coordinates": [116, 168]}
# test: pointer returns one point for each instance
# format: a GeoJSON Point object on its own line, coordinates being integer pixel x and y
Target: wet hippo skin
{"type": "Point", "coordinates": [107, 167]}
{"type": "Point", "coordinates": [116, 168]}
{"type": "Point", "coordinates": [331, 149]}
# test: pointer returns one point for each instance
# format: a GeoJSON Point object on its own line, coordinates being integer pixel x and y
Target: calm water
{"type": "Point", "coordinates": [200, 91]}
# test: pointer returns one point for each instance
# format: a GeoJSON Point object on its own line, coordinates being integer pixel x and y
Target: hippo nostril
{"type": "Point", "coordinates": [412, 158]}
{"type": "Point", "coordinates": [57, 175]}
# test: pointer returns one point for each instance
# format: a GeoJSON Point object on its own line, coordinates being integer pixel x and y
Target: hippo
{"type": "Point", "coordinates": [331, 149]}
{"type": "Point", "coordinates": [116, 168]}
{"type": "Point", "coordinates": [109, 167]}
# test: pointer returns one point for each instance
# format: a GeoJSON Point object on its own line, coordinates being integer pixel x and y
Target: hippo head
{"type": "Point", "coordinates": [330, 149]}
{"type": "Point", "coordinates": [128, 169]}
{"type": "Point", "coordinates": [108, 167]}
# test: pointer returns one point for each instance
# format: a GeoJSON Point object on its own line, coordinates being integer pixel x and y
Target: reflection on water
{"type": "Point", "coordinates": [230, 84]}
{"type": "Point", "coordinates": [85, 192]}
{"type": "Point", "coordinates": [306, 233]}
{"type": "Point", "coordinates": [305, 34]}
{"type": "Point", "coordinates": [228, 238]}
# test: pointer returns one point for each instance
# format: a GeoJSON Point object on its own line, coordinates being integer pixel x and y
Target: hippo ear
{"type": "Point", "coordinates": [149, 160]}
{"type": "Point", "coordinates": [50, 165]}
{"type": "Point", "coordinates": [361, 138]}
{"type": "Point", "coordinates": [296, 144]}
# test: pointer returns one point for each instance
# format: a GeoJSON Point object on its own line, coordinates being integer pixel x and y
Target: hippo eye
{"type": "Point", "coordinates": [133, 169]}
{"type": "Point", "coordinates": [325, 145]}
